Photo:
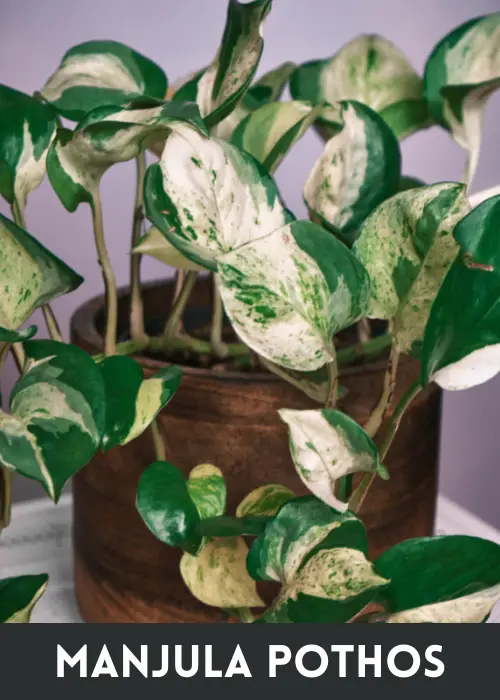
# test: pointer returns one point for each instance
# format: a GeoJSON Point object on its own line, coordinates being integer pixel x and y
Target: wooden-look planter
{"type": "Point", "coordinates": [123, 573]}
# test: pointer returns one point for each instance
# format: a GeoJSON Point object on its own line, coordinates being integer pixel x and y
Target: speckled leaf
{"type": "Point", "coordinates": [31, 275]}
{"type": "Point", "coordinates": [19, 595]}
{"type": "Point", "coordinates": [154, 244]}
{"type": "Point", "coordinates": [269, 132]}
{"type": "Point", "coordinates": [325, 445]}
{"type": "Point", "coordinates": [462, 338]}
{"type": "Point", "coordinates": [461, 73]}
{"type": "Point", "coordinates": [265, 500]}
{"type": "Point", "coordinates": [407, 246]}
{"type": "Point", "coordinates": [167, 509]}
{"type": "Point", "coordinates": [27, 127]}
{"type": "Point", "coordinates": [98, 73]}
{"type": "Point", "coordinates": [207, 489]}
{"type": "Point", "coordinates": [207, 197]}
{"type": "Point", "coordinates": [453, 578]}
{"type": "Point", "coordinates": [359, 168]}
{"type": "Point", "coordinates": [7, 336]}
{"type": "Point", "coordinates": [288, 293]}
{"type": "Point", "coordinates": [78, 159]}
{"type": "Point", "coordinates": [56, 418]}
{"type": "Point", "coordinates": [371, 70]}
{"type": "Point", "coordinates": [132, 402]}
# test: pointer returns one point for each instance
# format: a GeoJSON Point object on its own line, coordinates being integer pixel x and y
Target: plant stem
{"type": "Point", "coordinates": [178, 307]}
{"type": "Point", "coordinates": [158, 441]}
{"type": "Point", "coordinates": [136, 304]}
{"type": "Point", "coordinates": [219, 348]}
{"type": "Point", "coordinates": [51, 323]}
{"type": "Point", "coordinates": [375, 420]}
{"type": "Point", "coordinates": [363, 330]}
{"type": "Point", "coordinates": [5, 474]}
{"type": "Point", "coordinates": [108, 278]}
{"type": "Point", "coordinates": [179, 281]}
{"type": "Point", "coordinates": [333, 382]}
{"type": "Point", "coordinates": [19, 356]}
{"type": "Point", "coordinates": [374, 347]}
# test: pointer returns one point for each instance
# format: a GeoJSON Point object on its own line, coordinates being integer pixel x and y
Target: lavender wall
{"type": "Point", "coordinates": [182, 36]}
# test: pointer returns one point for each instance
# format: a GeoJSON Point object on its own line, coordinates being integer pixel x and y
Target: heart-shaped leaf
{"type": "Point", "coordinates": [98, 73]}
{"type": "Point", "coordinates": [371, 70]}
{"type": "Point", "coordinates": [7, 336]}
{"type": "Point", "coordinates": [19, 595]}
{"type": "Point", "coordinates": [407, 247]}
{"type": "Point", "coordinates": [325, 445]}
{"type": "Point", "coordinates": [359, 168]}
{"type": "Point", "coordinates": [441, 579]}
{"type": "Point", "coordinates": [207, 489]}
{"type": "Point", "coordinates": [78, 159]}
{"type": "Point", "coordinates": [31, 275]}
{"type": "Point", "coordinates": [27, 127]}
{"type": "Point", "coordinates": [207, 198]}
{"type": "Point", "coordinates": [264, 501]}
{"type": "Point", "coordinates": [462, 338]}
{"type": "Point", "coordinates": [288, 293]}
{"type": "Point", "coordinates": [461, 73]}
{"type": "Point", "coordinates": [56, 418]}
{"type": "Point", "coordinates": [132, 402]}
{"type": "Point", "coordinates": [154, 244]}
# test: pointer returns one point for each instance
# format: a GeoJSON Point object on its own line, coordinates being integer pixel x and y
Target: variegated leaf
{"type": "Point", "coordinates": [19, 595]}
{"type": "Point", "coordinates": [56, 418]}
{"type": "Point", "coordinates": [8, 336]}
{"type": "Point", "coordinates": [325, 445]}
{"type": "Point", "coordinates": [288, 293]}
{"type": "Point", "coordinates": [461, 345]}
{"type": "Point", "coordinates": [207, 198]}
{"type": "Point", "coordinates": [27, 127]}
{"type": "Point", "coordinates": [98, 73]}
{"type": "Point", "coordinates": [315, 384]}
{"type": "Point", "coordinates": [371, 70]}
{"type": "Point", "coordinates": [78, 159]}
{"type": "Point", "coordinates": [132, 402]}
{"type": "Point", "coordinates": [31, 275]}
{"type": "Point", "coordinates": [359, 168]}
{"type": "Point", "coordinates": [269, 132]}
{"type": "Point", "coordinates": [407, 246]}
{"type": "Point", "coordinates": [461, 73]}
{"type": "Point", "coordinates": [207, 489]}
{"type": "Point", "coordinates": [264, 500]}
{"type": "Point", "coordinates": [154, 244]}
{"type": "Point", "coordinates": [218, 575]}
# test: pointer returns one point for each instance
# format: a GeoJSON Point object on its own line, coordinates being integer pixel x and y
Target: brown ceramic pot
{"type": "Point", "coordinates": [123, 574]}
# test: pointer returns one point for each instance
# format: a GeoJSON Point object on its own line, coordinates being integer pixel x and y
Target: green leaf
{"type": "Point", "coordinates": [207, 197]}
{"type": "Point", "coordinates": [166, 507]}
{"type": "Point", "coordinates": [288, 293]}
{"type": "Point", "coordinates": [19, 595]}
{"type": "Point", "coordinates": [98, 73]}
{"type": "Point", "coordinates": [325, 445]}
{"type": "Point", "coordinates": [264, 501]}
{"type": "Point", "coordinates": [407, 246]}
{"type": "Point", "coordinates": [408, 182]}
{"type": "Point", "coordinates": [359, 168]}
{"type": "Point", "coordinates": [27, 127]}
{"type": "Point", "coordinates": [371, 70]}
{"type": "Point", "coordinates": [269, 87]}
{"type": "Point", "coordinates": [462, 338]}
{"type": "Point", "coordinates": [219, 88]}
{"type": "Point", "coordinates": [441, 579]}
{"type": "Point", "coordinates": [7, 336]}
{"type": "Point", "coordinates": [154, 244]}
{"type": "Point", "coordinates": [56, 416]}
{"type": "Point", "coordinates": [460, 74]}
{"type": "Point", "coordinates": [78, 159]}
{"type": "Point", "coordinates": [270, 131]}
{"type": "Point", "coordinates": [132, 402]}
{"type": "Point", "coordinates": [31, 275]}
{"type": "Point", "coordinates": [207, 489]}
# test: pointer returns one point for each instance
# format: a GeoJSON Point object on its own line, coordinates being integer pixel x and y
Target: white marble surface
{"type": "Point", "coordinates": [39, 540]}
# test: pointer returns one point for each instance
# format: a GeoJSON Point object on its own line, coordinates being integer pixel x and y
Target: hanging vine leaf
{"type": "Point", "coordinates": [56, 418]}
{"type": "Point", "coordinates": [27, 127]}
{"type": "Point", "coordinates": [154, 244]}
{"type": "Point", "coordinates": [462, 338]}
{"type": "Point", "coordinates": [19, 595]}
{"type": "Point", "coordinates": [7, 336]}
{"type": "Point", "coordinates": [407, 247]}
{"type": "Point", "coordinates": [132, 402]}
{"type": "Point", "coordinates": [98, 73]}
{"type": "Point", "coordinates": [288, 293]}
{"type": "Point", "coordinates": [325, 445]}
{"type": "Point", "coordinates": [207, 198]}
{"type": "Point", "coordinates": [359, 168]}
{"type": "Point", "coordinates": [78, 159]}
{"type": "Point", "coordinates": [264, 500]}
{"type": "Point", "coordinates": [461, 73]}
{"type": "Point", "coordinates": [371, 70]}
{"type": "Point", "coordinates": [31, 275]}
{"type": "Point", "coordinates": [207, 489]}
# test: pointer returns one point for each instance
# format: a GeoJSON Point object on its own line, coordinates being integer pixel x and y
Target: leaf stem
{"type": "Point", "coordinates": [158, 441]}
{"type": "Point", "coordinates": [245, 614]}
{"type": "Point", "coordinates": [178, 307]}
{"type": "Point", "coordinates": [219, 348]}
{"type": "Point", "coordinates": [379, 412]}
{"type": "Point", "coordinates": [136, 303]}
{"type": "Point", "coordinates": [6, 475]}
{"type": "Point", "coordinates": [333, 382]}
{"type": "Point", "coordinates": [19, 356]}
{"type": "Point", "coordinates": [108, 278]}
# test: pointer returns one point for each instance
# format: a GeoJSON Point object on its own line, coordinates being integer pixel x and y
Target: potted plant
{"type": "Point", "coordinates": [356, 311]}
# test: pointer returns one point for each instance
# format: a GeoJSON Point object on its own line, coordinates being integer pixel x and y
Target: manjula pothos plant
{"type": "Point", "coordinates": [378, 245]}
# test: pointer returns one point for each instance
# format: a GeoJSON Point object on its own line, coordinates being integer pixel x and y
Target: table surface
{"type": "Point", "coordinates": [39, 540]}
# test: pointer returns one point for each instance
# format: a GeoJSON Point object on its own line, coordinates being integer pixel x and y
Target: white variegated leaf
{"type": "Point", "coordinates": [207, 489]}
{"type": "Point", "coordinates": [154, 244]}
{"type": "Point", "coordinates": [264, 500]}
{"type": "Point", "coordinates": [19, 595]}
